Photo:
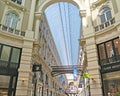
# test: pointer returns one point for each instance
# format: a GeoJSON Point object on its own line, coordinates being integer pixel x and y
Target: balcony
{"type": "Point", "coordinates": [11, 30]}
{"type": "Point", "coordinates": [104, 25]}
{"type": "Point", "coordinates": [110, 60]}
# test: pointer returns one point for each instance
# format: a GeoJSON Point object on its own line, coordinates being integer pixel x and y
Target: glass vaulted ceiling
{"type": "Point", "coordinates": [64, 21]}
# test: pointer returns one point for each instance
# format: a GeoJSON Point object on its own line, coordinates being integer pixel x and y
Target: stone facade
{"type": "Point", "coordinates": [100, 29]}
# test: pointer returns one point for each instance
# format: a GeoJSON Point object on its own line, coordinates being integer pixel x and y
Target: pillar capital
{"type": "Point", "coordinates": [82, 13]}
{"type": "Point", "coordinates": [39, 15]}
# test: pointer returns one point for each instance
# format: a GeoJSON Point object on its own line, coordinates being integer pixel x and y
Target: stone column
{"type": "Point", "coordinates": [38, 18]}
{"type": "Point", "coordinates": [24, 83]}
{"type": "Point", "coordinates": [93, 67]}
{"type": "Point", "coordinates": [82, 14]}
{"type": "Point", "coordinates": [29, 32]}
{"type": "Point", "coordinates": [31, 17]}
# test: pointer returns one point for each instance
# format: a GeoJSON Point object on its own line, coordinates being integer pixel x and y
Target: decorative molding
{"type": "Point", "coordinates": [13, 4]}
{"type": "Point", "coordinates": [83, 13]}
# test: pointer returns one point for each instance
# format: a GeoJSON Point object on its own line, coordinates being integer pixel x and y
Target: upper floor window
{"type": "Point", "coordinates": [105, 14]}
{"type": "Point", "coordinates": [17, 1]}
{"type": "Point", "coordinates": [109, 51]}
{"type": "Point", "coordinates": [11, 20]}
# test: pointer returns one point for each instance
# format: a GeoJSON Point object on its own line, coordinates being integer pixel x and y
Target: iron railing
{"type": "Point", "coordinates": [104, 25]}
{"type": "Point", "coordinates": [11, 30]}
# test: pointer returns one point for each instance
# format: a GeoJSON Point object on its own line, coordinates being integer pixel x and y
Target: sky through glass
{"type": "Point", "coordinates": [64, 21]}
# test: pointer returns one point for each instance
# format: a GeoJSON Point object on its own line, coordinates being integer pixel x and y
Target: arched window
{"type": "Point", "coordinates": [17, 1]}
{"type": "Point", "coordinates": [105, 14]}
{"type": "Point", "coordinates": [11, 20]}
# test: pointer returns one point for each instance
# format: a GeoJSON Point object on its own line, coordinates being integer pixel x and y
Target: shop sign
{"type": "Point", "coordinates": [37, 67]}
{"type": "Point", "coordinates": [111, 67]}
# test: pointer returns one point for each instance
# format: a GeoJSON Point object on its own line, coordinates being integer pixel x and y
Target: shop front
{"type": "Point", "coordinates": [9, 64]}
{"type": "Point", "coordinates": [109, 61]}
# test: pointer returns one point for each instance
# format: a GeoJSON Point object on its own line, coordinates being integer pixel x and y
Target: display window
{"type": "Point", "coordinates": [111, 84]}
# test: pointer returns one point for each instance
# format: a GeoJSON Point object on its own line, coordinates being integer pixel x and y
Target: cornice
{"type": "Point", "coordinates": [9, 35]}
{"type": "Point", "coordinates": [83, 13]}
{"type": "Point", "coordinates": [97, 3]}
{"type": "Point", "coordinates": [15, 5]}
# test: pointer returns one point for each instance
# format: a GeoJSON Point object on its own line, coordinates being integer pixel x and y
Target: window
{"type": "Point", "coordinates": [117, 46]}
{"type": "Point", "coordinates": [11, 20]}
{"type": "Point", "coordinates": [4, 81]}
{"type": "Point", "coordinates": [102, 52]}
{"type": "Point", "coordinates": [111, 84]}
{"type": "Point", "coordinates": [105, 14]}
{"type": "Point", "coordinates": [5, 54]}
{"type": "Point", "coordinates": [109, 51]}
{"type": "Point", "coordinates": [9, 56]}
{"type": "Point", "coordinates": [109, 48]}
{"type": "Point", "coordinates": [15, 57]}
{"type": "Point", "coordinates": [17, 1]}
{"type": "Point", "coordinates": [7, 85]}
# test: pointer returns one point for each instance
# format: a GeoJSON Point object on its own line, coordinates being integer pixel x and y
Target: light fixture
{"type": "Point", "coordinates": [93, 78]}
{"type": "Point", "coordinates": [116, 42]}
{"type": "Point", "coordinates": [23, 79]}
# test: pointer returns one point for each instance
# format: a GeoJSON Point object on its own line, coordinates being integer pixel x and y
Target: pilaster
{"type": "Point", "coordinates": [38, 16]}
{"type": "Point", "coordinates": [29, 32]}
{"type": "Point", "coordinates": [93, 67]}
{"type": "Point", "coordinates": [24, 84]}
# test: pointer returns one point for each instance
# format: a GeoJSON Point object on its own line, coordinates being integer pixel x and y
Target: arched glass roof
{"type": "Point", "coordinates": [64, 21]}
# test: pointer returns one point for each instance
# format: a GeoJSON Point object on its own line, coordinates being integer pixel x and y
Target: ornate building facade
{"type": "Point", "coordinates": [101, 43]}
{"type": "Point", "coordinates": [27, 49]}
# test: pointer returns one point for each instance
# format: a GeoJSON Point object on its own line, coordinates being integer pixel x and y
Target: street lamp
{"type": "Point", "coordinates": [36, 68]}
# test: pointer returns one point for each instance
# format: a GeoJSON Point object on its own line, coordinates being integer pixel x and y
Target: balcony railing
{"type": "Point", "coordinates": [11, 30]}
{"type": "Point", "coordinates": [110, 60]}
{"type": "Point", "coordinates": [104, 25]}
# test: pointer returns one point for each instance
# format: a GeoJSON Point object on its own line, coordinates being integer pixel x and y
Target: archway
{"type": "Point", "coordinates": [46, 3]}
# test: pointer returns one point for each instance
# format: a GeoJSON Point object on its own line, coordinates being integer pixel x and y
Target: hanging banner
{"type": "Point", "coordinates": [75, 71]}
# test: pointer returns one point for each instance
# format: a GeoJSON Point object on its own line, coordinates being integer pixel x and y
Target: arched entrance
{"type": "Point", "coordinates": [46, 3]}
{"type": "Point", "coordinates": [41, 9]}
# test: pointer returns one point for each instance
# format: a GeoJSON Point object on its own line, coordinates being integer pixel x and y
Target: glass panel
{"type": "Point", "coordinates": [3, 92]}
{"type": "Point", "coordinates": [109, 48]}
{"type": "Point", "coordinates": [102, 18]}
{"type": "Point", "coordinates": [110, 52]}
{"type": "Point", "coordinates": [14, 20]}
{"type": "Point", "coordinates": [117, 46]}
{"type": "Point", "coordinates": [102, 54]}
{"type": "Point", "coordinates": [5, 53]}
{"type": "Point", "coordinates": [102, 51]}
{"type": "Point", "coordinates": [4, 81]}
{"type": "Point", "coordinates": [8, 19]}
{"type": "Point", "coordinates": [105, 14]}
{"type": "Point", "coordinates": [15, 57]}
{"type": "Point", "coordinates": [0, 47]}
{"type": "Point", "coordinates": [108, 15]}
{"type": "Point", "coordinates": [11, 20]}
{"type": "Point", "coordinates": [14, 82]}
{"type": "Point", "coordinates": [105, 9]}
{"type": "Point", "coordinates": [112, 87]}
{"type": "Point", "coordinates": [13, 0]}
{"type": "Point", "coordinates": [19, 2]}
